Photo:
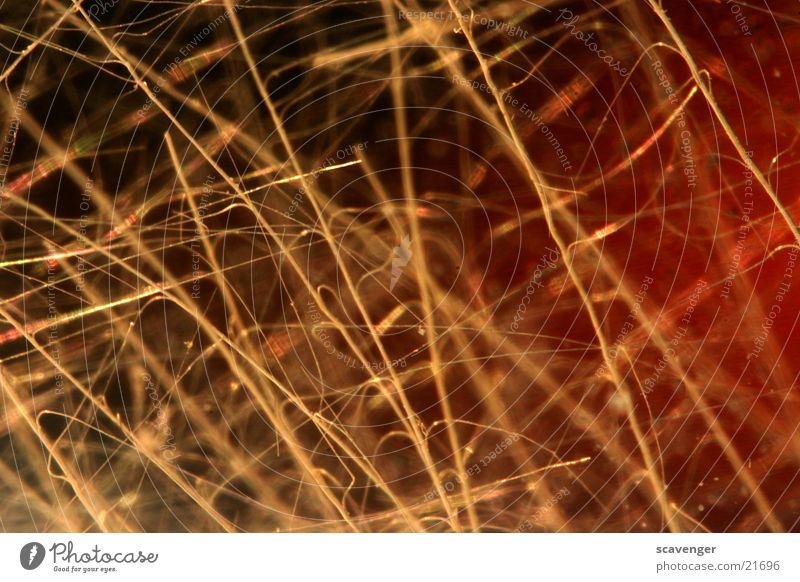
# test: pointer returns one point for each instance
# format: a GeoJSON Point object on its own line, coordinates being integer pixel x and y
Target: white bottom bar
{"type": "Point", "coordinates": [400, 557]}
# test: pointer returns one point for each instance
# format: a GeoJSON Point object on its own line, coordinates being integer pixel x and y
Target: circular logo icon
{"type": "Point", "coordinates": [31, 555]}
